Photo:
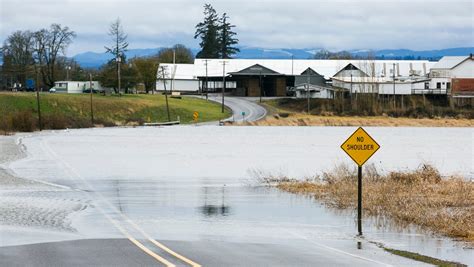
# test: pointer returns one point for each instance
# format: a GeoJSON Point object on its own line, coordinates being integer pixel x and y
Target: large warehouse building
{"type": "Point", "coordinates": [319, 78]}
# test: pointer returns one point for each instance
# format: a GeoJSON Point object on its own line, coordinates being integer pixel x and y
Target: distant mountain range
{"type": "Point", "coordinates": [95, 60]}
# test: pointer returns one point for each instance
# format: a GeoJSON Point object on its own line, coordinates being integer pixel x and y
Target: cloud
{"type": "Point", "coordinates": [346, 24]}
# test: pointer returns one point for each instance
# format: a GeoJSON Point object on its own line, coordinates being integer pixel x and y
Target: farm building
{"type": "Point", "coordinates": [244, 77]}
{"type": "Point", "coordinates": [177, 77]}
{"type": "Point", "coordinates": [258, 80]}
{"type": "Point", "coordinates": [453, 75]}
{"type": "Point", "coordinates": [312, 84]}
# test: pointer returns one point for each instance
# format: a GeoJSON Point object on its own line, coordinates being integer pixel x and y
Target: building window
{"type": "Point", "coordinates": [427, 85]}
{"type": "Point", "coordinates": [448, 85]}
{"type": "Point", "coordinates": [438, 85]}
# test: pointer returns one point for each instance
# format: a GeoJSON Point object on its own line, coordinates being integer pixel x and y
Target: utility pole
{"type": "Point", "coordinates": [174, 70]}
{"type": "Point", "coordinates": [261, 91]}
{"type": "Point", "coordinates": [394, 101]}
{"type": "Point", "coordinates": [67, 72]}
{"type": "Point", "coordinates": [166, 95]}
{"type": "Point", "coordinates": [119, 60]}
{"type": "Point", "coordinates": [350, 93]}
{"type": "Point", "coordinates": [292, 63]}
{"type": "Point", "coordinates": [205, 63]}
{"type": "Point", "coordinates": [90, 87]}
{"type": "Point", "coordinates": [223, 84]}
{"type": "Point", "coordinates": [307, 92]}
{"type": "Point", "coordinates": [40, 124]}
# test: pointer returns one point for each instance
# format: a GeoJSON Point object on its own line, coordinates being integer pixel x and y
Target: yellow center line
{"type": "Point", "coordinates": [160, 245]}
{"type": "Point", "coordinates": [134, 241]}
{"type": "Point", "coordinates": [151, 253]}
{"type": "Point", "coordinates": [120, 228]}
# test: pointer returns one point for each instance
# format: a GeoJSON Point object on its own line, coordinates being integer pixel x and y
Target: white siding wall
{"type": "Point", "coordinates": [400, 88]}
{"type": "Point", "coordinates": [179, 85]}
{"type": "Point", "coordinates": [443, 82]}
{"type": "Point", "coordinates": [315, 94]}
{"type": "Point", "coordinates": [464, 70]}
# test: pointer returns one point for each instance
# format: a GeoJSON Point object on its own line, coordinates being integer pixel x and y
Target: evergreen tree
{"type": "Point", "coordinates": [208, 32]}
{"type": "Point", "coordinates": [227, 38]}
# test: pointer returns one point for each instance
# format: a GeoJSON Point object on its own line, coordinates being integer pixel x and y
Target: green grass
{"type": "Point", "coordinates": [19, 111]}
{"type": "Point", "coordinates": [423, 258]}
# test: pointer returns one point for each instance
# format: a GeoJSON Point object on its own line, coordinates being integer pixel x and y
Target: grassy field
{"type": "Point", "coordinates": [366, 112]}
{"type": "Point", "coordinates": [443, 205]}
{"type": "Point", "coordinates": [19, 112]}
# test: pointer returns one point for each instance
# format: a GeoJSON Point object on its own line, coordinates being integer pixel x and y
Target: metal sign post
{"type": "Point", "coordinates": [360, 146]}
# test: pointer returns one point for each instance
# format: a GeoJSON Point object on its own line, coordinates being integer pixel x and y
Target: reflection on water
{"type": "Point", "coordinates": [212, 207]}
{"type": "Point", "coordinates": [212, 210]}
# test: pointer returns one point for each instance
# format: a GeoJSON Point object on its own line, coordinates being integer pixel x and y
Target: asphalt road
{"type": "Point", "coordinates": [243, 109]}
{"type": "Point", "coordinates": [177, 196]}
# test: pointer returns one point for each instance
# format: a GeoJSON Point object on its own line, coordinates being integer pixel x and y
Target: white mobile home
{"type": "Point", "coordinates": [75, 87]}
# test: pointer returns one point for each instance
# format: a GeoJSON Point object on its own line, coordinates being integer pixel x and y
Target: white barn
{"type": "Point", "coordinates": [448, 69]}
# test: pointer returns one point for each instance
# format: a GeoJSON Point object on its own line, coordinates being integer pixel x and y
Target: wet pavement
{"type": "Point", "coordinates": [191, 189]}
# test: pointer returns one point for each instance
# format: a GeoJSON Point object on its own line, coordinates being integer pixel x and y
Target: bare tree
{"type": "Point", "coordinates": [119, 47]}
{"type": "Point", "coordinates": [50, 45]}
{"type": "Point", "coordinates": [17, 54]}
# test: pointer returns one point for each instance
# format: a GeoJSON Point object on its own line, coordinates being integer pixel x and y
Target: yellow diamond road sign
{"type": "Point", "coordinates": [360, 146]}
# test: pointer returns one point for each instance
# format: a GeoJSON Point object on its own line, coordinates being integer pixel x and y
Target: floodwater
{"type": "Point", "coordinates": [191, 183]}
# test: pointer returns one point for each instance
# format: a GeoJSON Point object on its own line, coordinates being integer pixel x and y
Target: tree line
{"type": "Point", "coordinates": [40, 55]}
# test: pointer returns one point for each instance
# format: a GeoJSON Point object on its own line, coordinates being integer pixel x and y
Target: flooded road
{"type": "Point", "coordinates": [191, 189]}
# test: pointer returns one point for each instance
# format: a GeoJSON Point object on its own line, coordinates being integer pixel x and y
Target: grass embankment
{"type": "Point", "coordinates": [331, 120]}
{"type": "Point", "coordinates": [421, 197]}
{"type": "Point", "coordinates": [59, 111]}
{"type": "Point", "coordinates": [368, 112]}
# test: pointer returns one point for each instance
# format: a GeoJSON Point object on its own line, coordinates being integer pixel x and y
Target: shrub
{"type": "Point", "coordinates": [55, 121]}
{"type": "Point", "coordinates": [23, 121]}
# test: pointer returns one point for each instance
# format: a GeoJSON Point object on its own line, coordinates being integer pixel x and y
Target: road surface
{"type": "Point", "coordinates": [187, 196]}
{"type": "Point", "coordinates": [243, 109]}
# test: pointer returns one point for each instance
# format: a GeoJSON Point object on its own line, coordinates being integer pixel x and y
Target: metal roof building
{"type": "Point", "coordinates": [191, 76]}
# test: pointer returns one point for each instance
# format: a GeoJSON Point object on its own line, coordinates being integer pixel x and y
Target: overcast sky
{"type": "Point", "coordinates": [334, 25]}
